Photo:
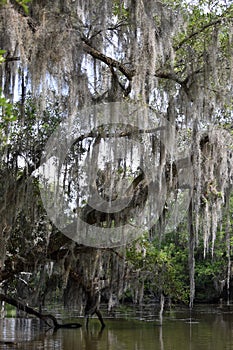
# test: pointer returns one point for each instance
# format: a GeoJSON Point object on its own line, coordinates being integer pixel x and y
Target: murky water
{"type": "Point", "coordinates": [129, 329]}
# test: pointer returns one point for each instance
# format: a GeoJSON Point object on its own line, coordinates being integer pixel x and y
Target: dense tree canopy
{"type": "Point", "coordinates": [170, 61]}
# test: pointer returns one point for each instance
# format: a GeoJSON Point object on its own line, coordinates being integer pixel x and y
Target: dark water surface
{"type": "Point", "coordinates": [205, 328]}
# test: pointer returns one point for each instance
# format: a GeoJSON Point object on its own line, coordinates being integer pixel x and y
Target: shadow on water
{"type": "Point", "coordinates": [206, 327]}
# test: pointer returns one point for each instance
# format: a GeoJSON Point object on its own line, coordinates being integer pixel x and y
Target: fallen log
{"type": "Point", "coordinates": [44, 317]}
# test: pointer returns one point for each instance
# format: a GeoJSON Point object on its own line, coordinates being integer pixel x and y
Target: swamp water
{"type": "Point", "coordinates": [205, 328]}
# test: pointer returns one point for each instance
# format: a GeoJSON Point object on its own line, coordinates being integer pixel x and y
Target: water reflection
{"type": "Point", "coordinates": [205, 328]}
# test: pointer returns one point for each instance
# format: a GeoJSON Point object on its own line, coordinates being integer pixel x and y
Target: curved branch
{"type": "Point", "coordinates": [111, 62]}
{"type": "Point", "coordinates": [169, 75]}
{"type": "Point", "coordinates": [173, 76]}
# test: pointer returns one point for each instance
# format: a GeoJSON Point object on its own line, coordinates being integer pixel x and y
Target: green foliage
{"type": "Point", "coordinates": [210, 272]}
{"type": "Point", "coordinates": [7, 117]}
{"type": "Point", "coordinates": [21, 3]}
{"type": "Point", "coordinates": [208, 25]}
{"type": "Point", "coordinates": [6, 108]}
{"type": "Point", "coordinates": [2, 59]}
{"type": "Point", "coordinates": [30, 131]}
{"type": "Point", "coordinates": [120, 11]}
{"type": "Point", "coordinates": [163, 268]}
{"type": "Point", "coordinates": [202, 23]}
{"type": "Point", "coordinates": [6, 111]}
{"type": "Point", "coordinates": [24, 4]}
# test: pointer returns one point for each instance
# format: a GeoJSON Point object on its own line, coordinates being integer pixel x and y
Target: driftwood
{"type": "Point", "coordinates": [43, 317]}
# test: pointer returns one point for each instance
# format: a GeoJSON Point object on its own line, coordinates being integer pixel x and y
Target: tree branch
{"type": "Point", "coordinates": [173, 76]}
{"type": "Point", "coordinates": [169, 75]}
{"type": "Point", "coordinates": [11, 59]}
{"type": "Point", "coordinates": [197, 32]}
{"type": "Point", "coordinates": [111, 62]}
{"type": "Point", "coordinates": [31, 311]}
